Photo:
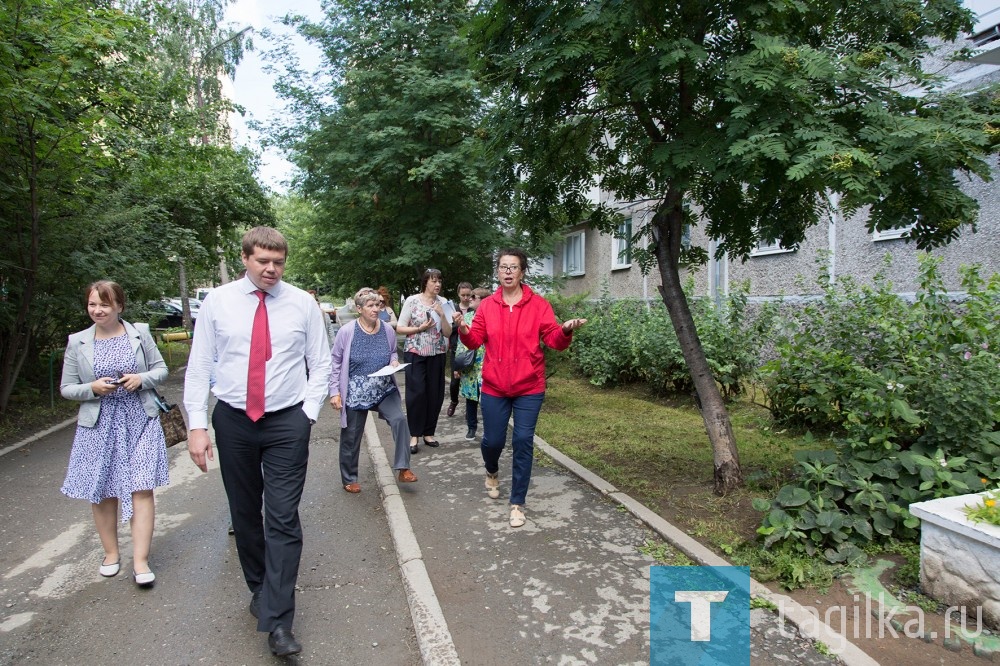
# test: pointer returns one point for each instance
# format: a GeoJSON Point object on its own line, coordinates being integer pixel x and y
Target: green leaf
{"type": "Point", "coordinates": [790, 496]}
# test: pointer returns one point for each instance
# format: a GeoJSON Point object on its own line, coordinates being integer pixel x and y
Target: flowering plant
{"type": "Point", "coordinates": [988, 511]}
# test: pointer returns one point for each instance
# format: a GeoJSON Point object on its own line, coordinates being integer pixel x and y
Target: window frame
{"type": "Point", "coordinates": [899, 233]}
{"type": "Point", "coordinates": [616, 246]}
{"type": "Point", "coordinates": [567, 247]}
{"type": "Point", "coordinates": [763, 250]}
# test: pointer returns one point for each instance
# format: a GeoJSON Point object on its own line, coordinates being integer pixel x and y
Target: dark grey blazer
{"type": "Point", "coordinates": [78, 370]}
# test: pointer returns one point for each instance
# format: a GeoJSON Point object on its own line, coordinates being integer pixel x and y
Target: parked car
{"type": "Point", "coordinates": [166, 314]}
{"type": "Point", "coordinates": [193, 303]}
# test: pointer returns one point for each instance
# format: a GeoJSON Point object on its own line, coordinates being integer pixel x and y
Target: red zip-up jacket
{"type": "Point", "coordinates": [514, 363]}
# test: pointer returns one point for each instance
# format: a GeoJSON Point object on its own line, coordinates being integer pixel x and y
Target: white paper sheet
{"type": "Point", "coordinates": [388, 370]}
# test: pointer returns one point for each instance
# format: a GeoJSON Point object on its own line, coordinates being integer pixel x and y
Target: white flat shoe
{"type": "Point", "coordinates": [516, 516]}
{"type": "Point", "coordinates": [144, 579]}
{"type": "Point", "coordinates": [109, 570]}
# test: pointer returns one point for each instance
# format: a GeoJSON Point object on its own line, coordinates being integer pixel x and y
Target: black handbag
{"type": "Point", "coordinates": [463, 360]}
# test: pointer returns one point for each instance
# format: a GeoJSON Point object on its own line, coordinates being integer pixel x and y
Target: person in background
{"type": "Point", "coordinates": [471, 378]}
{"type": "Point", "coordinates": [426, 324]}
{"type": "Point", "coordinates": [464, 291]}
{"type": "Point", "coordinates": [385, 312]}
{"type": "Point", "coordinates": [364, 346]}
{"type": "Point", "coordinates": [270, 380]}
{"type": "Point", "coordinates": [119, 454]}
{"type": "Point", "coordinates": [510, 323]}
{"type": "Point", "coordinates": [327, 320]}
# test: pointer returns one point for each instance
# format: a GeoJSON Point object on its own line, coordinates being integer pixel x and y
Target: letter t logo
{"type": "Point", "coordinates": [701, 611]}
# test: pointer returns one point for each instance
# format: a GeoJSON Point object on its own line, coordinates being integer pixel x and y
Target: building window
{"type": "Point", "coordinates": [573, 255]}
{"type": "Point", "coordinates": [891, 234]}
{"type": "Point", "coordinates": [765, 247]}
{"type": "Point", "coordinates": [621, 246]}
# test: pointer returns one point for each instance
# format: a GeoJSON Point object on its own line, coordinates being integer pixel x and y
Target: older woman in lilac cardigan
{"type": "Point", "coordinates": [362, 347]}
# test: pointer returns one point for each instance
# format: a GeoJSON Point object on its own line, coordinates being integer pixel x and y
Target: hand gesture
{"type": "Point", "coordinates": [573, 324]}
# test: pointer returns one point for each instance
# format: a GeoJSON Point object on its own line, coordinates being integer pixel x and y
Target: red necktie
{"type": "Point", "coordinates": [260, 354]}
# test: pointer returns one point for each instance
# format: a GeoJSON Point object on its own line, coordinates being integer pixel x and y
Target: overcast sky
{"type": "Point", "coordinates": [253, 89]}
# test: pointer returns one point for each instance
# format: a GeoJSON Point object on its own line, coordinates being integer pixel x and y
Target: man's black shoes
{"type": "Point", "coordinates": [255, 604]}
{"type": "Point", "coordinates": [283, 643]}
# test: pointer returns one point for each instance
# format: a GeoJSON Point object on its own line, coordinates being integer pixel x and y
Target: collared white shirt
{"type": "Point", "coordinates": [300, 365]}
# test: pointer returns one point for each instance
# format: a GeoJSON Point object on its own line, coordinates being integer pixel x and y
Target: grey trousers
{"type": "Point", "coordinates": [389, 410]}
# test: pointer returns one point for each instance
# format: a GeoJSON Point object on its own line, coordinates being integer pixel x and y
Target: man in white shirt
{"type": "Point", "coordinates": [266, 344]}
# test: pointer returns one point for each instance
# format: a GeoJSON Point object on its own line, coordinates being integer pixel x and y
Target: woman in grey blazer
{"type": "Point", "coordinates": [119, 455]}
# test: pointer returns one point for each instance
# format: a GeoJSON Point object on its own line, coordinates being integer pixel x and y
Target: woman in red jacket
{"type": "Point", "coordinates": [510, 322]}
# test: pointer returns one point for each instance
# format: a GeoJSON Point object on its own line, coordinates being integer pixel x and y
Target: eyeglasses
{"type": "Point", "coordinates": [508, 269]}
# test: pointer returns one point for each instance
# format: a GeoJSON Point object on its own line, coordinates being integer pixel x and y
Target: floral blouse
{"type": "Point", "coordinates": [425, 343]}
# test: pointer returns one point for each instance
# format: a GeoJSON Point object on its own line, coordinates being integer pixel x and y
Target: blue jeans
{"type": "Point", "coordinates": [496, 413]}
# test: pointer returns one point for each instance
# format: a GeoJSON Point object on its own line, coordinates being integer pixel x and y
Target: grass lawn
{"type": "Point", "coordinates": [655, 448]}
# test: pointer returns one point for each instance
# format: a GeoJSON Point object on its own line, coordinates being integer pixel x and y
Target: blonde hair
{"type": "Point", "coordinates": [364, 296]}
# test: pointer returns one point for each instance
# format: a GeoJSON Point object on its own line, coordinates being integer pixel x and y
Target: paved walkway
{"type": "Point", "coordinates": [569, 587]}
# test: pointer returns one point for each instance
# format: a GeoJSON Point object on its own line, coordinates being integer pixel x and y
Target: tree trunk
{"type": "Point", "coordinates": [667, 224]}
{"type": "Point", "coordinates": [185, 300]}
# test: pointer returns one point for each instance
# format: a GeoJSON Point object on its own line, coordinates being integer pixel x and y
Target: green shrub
{"type": "Point", "coordinates": [628, 340]}
{"type": "Point", "coordinates": [911, 392]}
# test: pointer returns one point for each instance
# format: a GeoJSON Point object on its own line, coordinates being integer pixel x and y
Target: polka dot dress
{"type": "Point", "coordinates": [124, 452]}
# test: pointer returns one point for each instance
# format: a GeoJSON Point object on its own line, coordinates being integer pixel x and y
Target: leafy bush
{"type": "Point", "coordinates": [911, 392]}
{"type": "Point", "coordinates": [627, 340]}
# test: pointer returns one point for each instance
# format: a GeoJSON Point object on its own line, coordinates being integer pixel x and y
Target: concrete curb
{"type": "Point", "coordinates": [808, 624]}
{"type": "Point", "coordinates": [38, 436]}
{"type": "Point", "coordinates": [433, 637]}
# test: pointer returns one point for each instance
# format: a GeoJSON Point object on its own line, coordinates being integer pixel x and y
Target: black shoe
{"type": "Point", "coordinates": [414, 448]}
{"type": "Point", "coordinates": [471, 435]}
{"type": "Point", "coordinates": [431, 444]}
{"type": "Point", "coordinates": [232, 532]}
{"type": "Point", "coordinates": [283, 643]}
{"type": "Point", "coordinates": [255, 604]}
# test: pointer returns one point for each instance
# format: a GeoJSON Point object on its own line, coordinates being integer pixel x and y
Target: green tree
{"type": "Point", "coordinates": [751, 111]}
{"type": "Point", "coordinates": [388, 149]}
{"type": "Point", "coordinates": [68, 83]}
{"type": "Point", "coordinates": [97, 129]}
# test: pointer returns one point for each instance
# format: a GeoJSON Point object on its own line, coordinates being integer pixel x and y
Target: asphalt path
{"type": "Point", "coordinates": [398, 574]}
{"type": "Point", "coordinates": [56, 609]}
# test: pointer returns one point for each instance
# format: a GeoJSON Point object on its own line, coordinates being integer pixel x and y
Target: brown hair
{"type": "Point", "coordinates": [107, 291]}
{"type": "Point", "coordinates": [481, 292]}
{"type": "Point", "coordinates": [384, 293]}
{"type": "Point", "coordinates": [265, 238]}
{"type": "Point", "coordinates": [428, 274]}
{"type": "Point", "coordinates": [522, 258]}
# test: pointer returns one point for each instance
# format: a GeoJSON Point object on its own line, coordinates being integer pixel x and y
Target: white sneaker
{"type": "Point", "coordinates": [492, 485]}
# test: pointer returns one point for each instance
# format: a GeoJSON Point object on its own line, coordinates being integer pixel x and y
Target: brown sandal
{"type": "Point", "coordinates": [352, 487]}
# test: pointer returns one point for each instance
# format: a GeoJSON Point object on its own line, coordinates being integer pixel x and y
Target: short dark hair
{"type": "Point", "coordinates": [522, 257]}
{"type": "Point", "coordinates": [107, 291]}
{"type": "Point", "coordinates": [265, 238]}
{"type": "Point", "coordinates": [428, 274]}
